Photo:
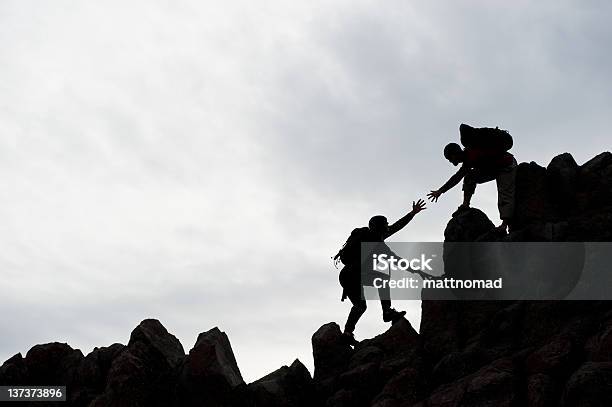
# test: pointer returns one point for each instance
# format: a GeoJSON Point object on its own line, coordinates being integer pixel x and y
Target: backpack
{"type": "Point", "coordinates": [350, 252]}
{"type": "Point", "coordinates": [485, 138]}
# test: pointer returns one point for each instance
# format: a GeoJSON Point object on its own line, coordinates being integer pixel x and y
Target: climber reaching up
{"type": "Point", "coordinates": [484, 158]}
{"type": "Point", "coordinates": [351, 278]}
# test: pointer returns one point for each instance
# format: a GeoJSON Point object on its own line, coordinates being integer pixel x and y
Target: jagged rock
{"type": "Point", "coordinates": [598, 166]}
{"type": "Point", "coordinates": [144, 373]}
{"type": "Point", "coordinates": [363, 372]}
{"type": "Point", "coordinates": [449, 395]}
{"type": "Point", "coordinates": [554, 358]}
{"type": "Point", "coordinates": [589, 386]}
{"type": "Point", "coordinates": [331, 358]}
{"type": "Point", "coordinates": [210, 374]}
{"type": "Point", "coordinates": [441, 328]}
{"type": "Point", "coordinates": [129, 381]}
{"type": "Point", "coordinates": [363, 381]}
{"type": "Point", "coordinates": [451, 325]}
{"type": "Point", "coordinates": [331, 355]}
{"type": "Point", "coordinates": [530, 196]}
{"type": "Point", "coordinates": [562, 185]}
{"type": "Point", "coordinates": [596, 182]}
{"type": "Point", "coordinates": [404, 388]}
{"type": "Point", "coordinates": [467, 226]}
{"type": "Point", "coordinates": [457, 364]}
{"type": "Point", "coordinates": [543, 320]}
{"type": "Point", "coordinates": [286, 387]}
{"type": "Point", "coordinates": [14, 371]}
{"type": "Point", "coordinates": [547, 338]}
{"type": "Point", "coordinates": [92, 373]}
{"type": "Point", "coordinates": [366, 354]}
{"type": "Point", "coordinates": [493, 385]}
{"type": "Point", "coordinates": [155, 337]}
{"type": "Point", "coordinates": [542, 391]}
{"type": "Point", "coordinates": [213, 352]}
{"type": "Point", "coordinates": [52, 363]}
{"type": "Point", "coordinates": [344, 398]}
{"type": "Point", "coordinates": [93, 369]}
{"type": "Point", "coordinates": [596, 227]}
{"type": "Point", "coordinates": [504, 326]}
{"type": "Point", "coordinates": [391, 366]}
{"type": "Point", "coordinates": [399, 339]}
{"type": "Point", "coordinates": [599, 346]}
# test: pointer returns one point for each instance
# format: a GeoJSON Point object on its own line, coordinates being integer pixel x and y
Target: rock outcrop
{"type": "Point", "coordinates": [153, 370]}
{"type": "Point", "coordinates": [497, 353]}
{"type": "Point", "coordinates": [209, 374]}
{"type": "Point", "coordinates": [468, 353]}
{"type": "Point", "coordinates": [287, 386]}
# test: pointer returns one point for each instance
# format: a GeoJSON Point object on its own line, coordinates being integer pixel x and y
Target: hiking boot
{"type": "Point", "coordinates": [349, 339]}
{"type": "Point", "coordinates": [460, 209]}
{"type": "Point", "coordinates": [391, 315]}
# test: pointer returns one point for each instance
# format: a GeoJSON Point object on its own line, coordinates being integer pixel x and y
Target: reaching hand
{"type": "Point", "coordinates": [434, 195]}
{"type": "Point", "coordinates": [418, 206]}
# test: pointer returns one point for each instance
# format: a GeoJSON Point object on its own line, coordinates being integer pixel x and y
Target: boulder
{"type": "Point", "coordinates": [449, 395]}
{"type": "Point", "coordinates": [595, 188]}
{"type": "Point", "coordinates": [448, 326]}
{"type": "Point", "coordinates": [361, 374]}
{"type": "Point", "coordinates": [458, 364]}
{"type": "Point", "coordinates": [404, 388]}
{"type": "Point", "coordinates": [562, 185]}
{"type": "Point", "coordinates": [542, 391]}
{"type": "Point", "coordinates": [52, 364]}
{"type": "Point", "coordinates": [366, 354]}
{"type": "Point", "coordinates": [344, 398]}
{"type": "Point", "coordinates": [14, 371]}
{"type": "Point", "coordinates": [289, 386]}
{"type": "Point", "coordinates": [397, 341]}
{"type": "Point", "coordinates": [589, 386]}
{"type": "Point", "coordinates": [145, 372]}
{"type": "Point", "coordinates": [210, 374]}
{"type": "Point", "coordinates": [156, 338]}
{"type": "Point", "coordinates": [363, 381]}
{"type": "Point", "coordinates": [130, 380]}
{"type": "Point", "coordinates": [440, 325]}
{"type": "Point", "coordinates": [599, 346]}
{"type": "Point", "coordinates": [595, 168]}
{"type": "Point", "coordinates": [331, 354]}
{"type": "Point", "coordinates": [493, 385]}
{"type": "Point", "coordinates": [530, 197]}
{"type": "Point", "coordinates": [92, 374]}
{"type": "Point", "coordinates": [467, 226]}
{"type": "Point", "coordinates": [556, 357]}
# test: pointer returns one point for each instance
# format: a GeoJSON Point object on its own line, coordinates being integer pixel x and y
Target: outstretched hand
{"type": "Point", "coordinates": [434, 195]}
{"type": "Point", "coordinates": [418, 206]}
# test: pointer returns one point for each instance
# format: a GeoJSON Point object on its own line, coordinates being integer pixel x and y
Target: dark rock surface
{"type": "Point", "coordinates": [287, 386]}
{"type": "Point", "coordinates": [144, 372]}
{"type": "Point", "coordinates": [469, 353]}
{"type": "Point", "coordinates": [209, 374]}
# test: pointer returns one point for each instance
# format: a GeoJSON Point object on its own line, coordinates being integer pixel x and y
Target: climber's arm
{"type": "Point", "coordinates": [417, 207]}
{"type": "Point", "coordinates": [452, 181]}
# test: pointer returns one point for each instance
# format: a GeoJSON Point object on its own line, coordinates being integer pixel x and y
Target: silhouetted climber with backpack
{"type": "Point", "coordinates": [351, 276]}
{"type": "Point", "coordinates": [484, 158]}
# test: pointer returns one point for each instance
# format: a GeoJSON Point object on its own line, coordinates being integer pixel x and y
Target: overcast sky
{"type": "Point", "coordinates": [199, 162]}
